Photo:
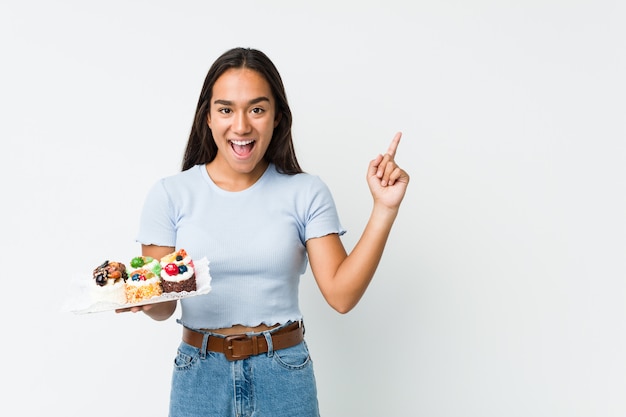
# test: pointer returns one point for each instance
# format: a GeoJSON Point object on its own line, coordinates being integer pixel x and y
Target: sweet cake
{"type": "Point", "coordinates": [109, 283]}
{"type": "Point", "coordinates": [144, 281]}
{"type": "Point", "coordinates": [144, 262]}
{"type": "Point", "coordinates": [178, 272]}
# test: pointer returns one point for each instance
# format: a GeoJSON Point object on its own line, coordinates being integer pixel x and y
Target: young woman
{"type": "Point", "coordinates": [243, 202]}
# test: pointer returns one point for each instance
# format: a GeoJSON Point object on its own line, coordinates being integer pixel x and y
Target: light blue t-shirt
{"type": "Point", "coordinates": [254, 240]}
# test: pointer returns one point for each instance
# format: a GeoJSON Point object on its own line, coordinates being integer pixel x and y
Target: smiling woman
{"type": "Point", "coordinates": [243, 202]}
{"type": "Point", "coordinates": [242, 118]}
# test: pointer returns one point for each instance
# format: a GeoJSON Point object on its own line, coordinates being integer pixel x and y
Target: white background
{"type": "Point", "coordinates": [501, 292]}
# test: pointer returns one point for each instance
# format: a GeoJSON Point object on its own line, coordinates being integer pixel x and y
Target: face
{"type": "Point", "coordinates": [242, 118]}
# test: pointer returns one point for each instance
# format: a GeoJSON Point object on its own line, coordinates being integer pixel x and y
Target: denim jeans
{"type": "Point", "coordinates": [274, 384]}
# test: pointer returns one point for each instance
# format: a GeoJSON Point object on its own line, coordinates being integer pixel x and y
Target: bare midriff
{"type": "Point", "coordinates": [239, 329]}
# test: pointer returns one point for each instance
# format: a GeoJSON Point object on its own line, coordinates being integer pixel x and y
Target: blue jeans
{"type": "Point", "coordinates": [274, 384]}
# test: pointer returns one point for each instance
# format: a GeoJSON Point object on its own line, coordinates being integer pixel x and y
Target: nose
{"type": "Point", "coordinates": [241, 123]}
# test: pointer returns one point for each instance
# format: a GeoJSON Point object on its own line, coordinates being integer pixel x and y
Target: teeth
{"type": "Point", "coordinates": [242, 142]}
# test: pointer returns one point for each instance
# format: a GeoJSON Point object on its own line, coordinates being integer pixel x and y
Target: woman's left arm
{"type": "Point", "coordinates": [343, 278]}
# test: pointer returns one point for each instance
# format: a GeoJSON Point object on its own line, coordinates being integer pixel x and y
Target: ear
{"type": "Point", "coordinates": [277, 119]}
{"type": "Point", "coordinates": [208, 120]}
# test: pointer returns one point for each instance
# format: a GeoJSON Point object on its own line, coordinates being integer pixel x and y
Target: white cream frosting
{"type": "Point", "coordinates": [112, 292]}
{"type": "Point", "coordinates": [180, 277]}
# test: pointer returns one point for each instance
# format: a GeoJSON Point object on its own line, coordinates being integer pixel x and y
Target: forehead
{"type": "Point", "coordinates": [241, 83]}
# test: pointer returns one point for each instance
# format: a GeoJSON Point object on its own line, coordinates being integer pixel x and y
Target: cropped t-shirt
{"type": "Point", "coordinates": [253, 239]}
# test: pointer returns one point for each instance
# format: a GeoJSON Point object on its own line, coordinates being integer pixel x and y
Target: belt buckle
{"type": "Point", "coordinates": [228, 347]}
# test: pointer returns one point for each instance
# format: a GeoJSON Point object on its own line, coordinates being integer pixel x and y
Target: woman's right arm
{"type": "Point", "coordinates": [157, 311]}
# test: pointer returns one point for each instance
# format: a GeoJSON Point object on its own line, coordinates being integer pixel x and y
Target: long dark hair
{"type": "Point", "coordinates": [201, 147]}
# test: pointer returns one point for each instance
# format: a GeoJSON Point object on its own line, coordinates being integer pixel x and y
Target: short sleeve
{"type": "Point", "coordinates": [157, 224]}
{"type": "Point", "coordinates": [322, 218]}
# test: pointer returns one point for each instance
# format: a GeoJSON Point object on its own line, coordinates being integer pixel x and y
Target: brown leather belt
{"type": "Point", "coordinates": [242, 346]}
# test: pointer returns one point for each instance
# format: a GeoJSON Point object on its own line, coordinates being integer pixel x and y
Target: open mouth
{"type": "Point", "coordinates": [242, 147]}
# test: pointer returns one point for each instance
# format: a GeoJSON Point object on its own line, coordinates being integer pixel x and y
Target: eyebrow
{"type": "Point", "coordinates": [253, 101]}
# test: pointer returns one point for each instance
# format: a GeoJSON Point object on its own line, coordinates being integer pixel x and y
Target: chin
{"type": "Point", "coordinates": [246, 167]}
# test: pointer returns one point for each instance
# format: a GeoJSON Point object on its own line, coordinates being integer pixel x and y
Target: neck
{"type": "Point", "coordinates": [231, 180]}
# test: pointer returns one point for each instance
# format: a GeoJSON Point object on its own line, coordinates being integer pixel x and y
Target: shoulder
{"type": "Point", "coordinates": [192, 174]}
{"type": "Point", "coordinates": [302, 180]}
{"type": "Point", "coordinates": [176, 185]}
{"type": "Point", "coordinates": [184, 179]}
{"type": "Point", "coordinates": [303, 189]}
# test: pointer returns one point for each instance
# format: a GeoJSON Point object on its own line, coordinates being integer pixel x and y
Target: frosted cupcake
{"type": "Point", "coordinates": [177, 272]}
{"type": "Point", "coordinates": [109, 282]}
{"type": "Point", "coordinates": [141, 285]}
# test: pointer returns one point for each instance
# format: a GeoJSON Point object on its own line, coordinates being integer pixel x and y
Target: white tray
{"type": "Point", "coordinates": [79, 300]}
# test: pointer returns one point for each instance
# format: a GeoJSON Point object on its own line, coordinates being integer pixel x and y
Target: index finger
{"type": "Point", "coordinates": [393, 146]}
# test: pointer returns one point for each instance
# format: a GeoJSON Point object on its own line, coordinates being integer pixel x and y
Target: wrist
{"type": "Point", "coordinates": [383, 215]}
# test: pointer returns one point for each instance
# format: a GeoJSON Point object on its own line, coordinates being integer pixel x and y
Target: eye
{"type": "Point", "coordinates": [258, 110]}
{"type": "Point", "coordinates": [224, 110]}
